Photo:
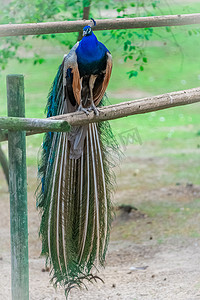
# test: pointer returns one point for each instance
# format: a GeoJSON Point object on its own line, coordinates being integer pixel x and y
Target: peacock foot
{"type": "Point", "coordinates": [85, 110]}
{"type": "Point", "coordinates": [94, 109]}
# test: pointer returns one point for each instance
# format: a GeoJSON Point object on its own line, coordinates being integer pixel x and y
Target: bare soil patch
{"type": "Point", "coordinates": [154, 250]}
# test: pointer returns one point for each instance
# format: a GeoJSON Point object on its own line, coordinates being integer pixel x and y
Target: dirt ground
{"type": "Point", "coordinates": [154, 250]}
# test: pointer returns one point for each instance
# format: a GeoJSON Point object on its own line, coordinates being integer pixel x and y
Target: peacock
{"type": "Point", "coordinates": [75, 169]}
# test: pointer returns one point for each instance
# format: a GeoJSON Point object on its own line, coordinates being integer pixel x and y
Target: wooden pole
{"type": "Point", "coordinates": [103, 24]}
{"type": "Point", "coordinates": [124, 109]}
{"type": "Point", "coordinates": [134, 107]}
{"type": "Point", "coordinates": [18, 192]}
{"type": "Point", "coordinates": [41, 125]}
{"type": "Point", "coordinates": [4, 164]}
{"type": "Point", "coordinates": [3, 135]}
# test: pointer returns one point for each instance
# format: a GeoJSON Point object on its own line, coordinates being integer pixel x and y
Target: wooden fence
{"type": "Point", "coordinates": [15, 127]}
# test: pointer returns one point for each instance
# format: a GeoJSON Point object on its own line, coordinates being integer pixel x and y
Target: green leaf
{"type": "Point", "coordinates": [132, 48]}
{"type": "Point", "coordinates": [138, 58]}
{"type": "Point", "coordinates": [132, 73]}
{"type": "Point", "coordinates": [125, 46]}
{"type": "Point", "coordinates": [41, 60]}
{"type": "Point", "coordinates": [144, 59]}
{"type": "Point", "coordinates": [154, 4]}
{"type": "Point", "coordinates": [141, 68]}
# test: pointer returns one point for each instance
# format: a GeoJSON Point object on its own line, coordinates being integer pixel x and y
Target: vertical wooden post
{"type": "Point", "coordinates": [4, 164]}
{"type": "Point", "coordinates": [18, 191]}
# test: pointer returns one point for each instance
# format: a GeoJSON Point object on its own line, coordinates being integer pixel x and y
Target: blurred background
{"type": "Point", "coordinates": [157, 197]}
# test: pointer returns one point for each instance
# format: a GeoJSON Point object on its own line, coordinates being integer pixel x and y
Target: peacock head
{"type": "Point", "coordinates": [87, 30]}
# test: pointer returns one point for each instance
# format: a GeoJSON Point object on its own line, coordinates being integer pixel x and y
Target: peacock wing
{"type": "Point", "coordinates": [102, 81]}
{"type": "Point", "coordinates": [71, 79]}
{"type": "Point", "coordinates": [72, 97]}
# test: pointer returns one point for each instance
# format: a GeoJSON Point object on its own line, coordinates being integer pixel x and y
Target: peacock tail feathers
{"type": "Point", "coordinates": [74, 197]}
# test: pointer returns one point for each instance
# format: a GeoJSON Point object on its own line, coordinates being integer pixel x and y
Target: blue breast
{"type": "Point", "coordinates": [91, 56]}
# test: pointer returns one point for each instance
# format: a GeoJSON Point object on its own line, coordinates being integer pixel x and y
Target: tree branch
{"type": "Point", "coordinates": [106, 24]}
{"type": "Point", "coordinates": [110, 112]}
{"type": "Point", "coordinates": [86, 13]}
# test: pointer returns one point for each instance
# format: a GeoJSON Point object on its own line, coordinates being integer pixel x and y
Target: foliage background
{"type": "Point", "coordinates": [158, 60]}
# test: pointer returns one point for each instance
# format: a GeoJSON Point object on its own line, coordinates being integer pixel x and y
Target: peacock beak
{"type": "Point", "coordinates": [84, 33]}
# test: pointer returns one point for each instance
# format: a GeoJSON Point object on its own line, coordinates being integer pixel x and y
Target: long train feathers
{"type": "Point", "coordinates": [74, 197]}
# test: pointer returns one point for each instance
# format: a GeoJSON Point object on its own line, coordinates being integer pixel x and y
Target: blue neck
{"type": "Point", "coordinates": [89, 44]}
{"type": "Point", "coordinates": [91, 56]}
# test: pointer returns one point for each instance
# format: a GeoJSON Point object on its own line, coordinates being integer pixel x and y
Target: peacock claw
{"type": "Point", "coordinates": [85, 110]}
{"type": "Point", "coordinates": [94, 109]}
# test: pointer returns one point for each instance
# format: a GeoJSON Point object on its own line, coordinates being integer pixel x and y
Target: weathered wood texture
{"type": "Point", "coordinates": [106, 24]}
{"type": "Point", "coordinates": [4, 164]}
{"type": "Point", "coordinates": [18, 191]}
{"type": "Point", "coordinates": [124, 109]}
{"type": "Point", "coordinates": [134, 107]}
{"type": "Point", "coordinates": [40, 125]}
{"type": "Point", "coordinates": [3, 135]}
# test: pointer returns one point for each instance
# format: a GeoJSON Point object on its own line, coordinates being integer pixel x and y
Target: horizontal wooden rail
{"type": "Point", "coordinates": [103, 24]}
{"type": "Point", "coordinates": [134, 107]}
{"type": "Point", "coordinates": [110, 112]}
{"type": "Point", "coordinates": [37, 125]}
